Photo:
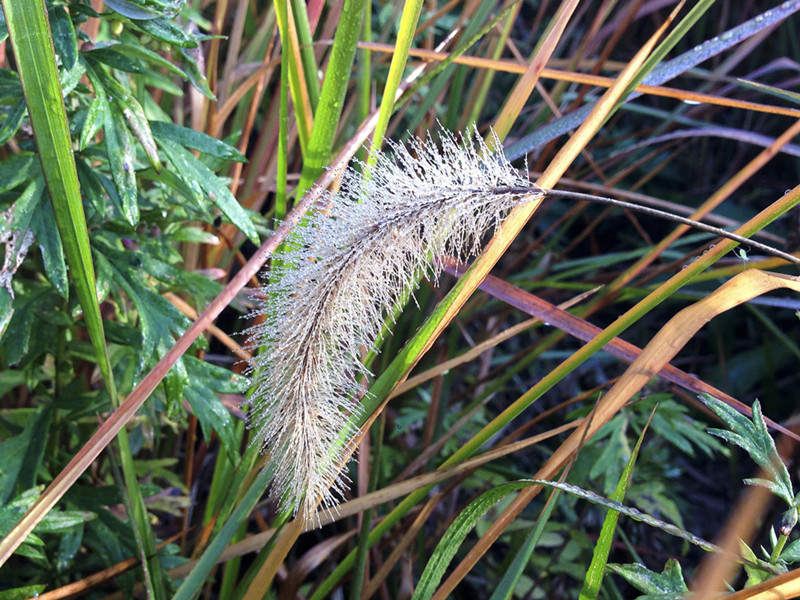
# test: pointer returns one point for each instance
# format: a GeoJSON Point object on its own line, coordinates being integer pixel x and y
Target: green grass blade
{"type": "Point", "coordinates": [302, 107]}
{"type": "Point", "coordinates": [597, 568]}
{"type": "Point", "coordinates": [331, 102]}
{"type": "Point", "coordinates": [405, 35]}
{"type": "Point", "coordinates": [194, 583]}
{"type": "Point", "coordinates": [508, 583]}
{"type": "Point", "coordinates": [307, 50]}
{"type": "Point", "coordinates": [450, 543]}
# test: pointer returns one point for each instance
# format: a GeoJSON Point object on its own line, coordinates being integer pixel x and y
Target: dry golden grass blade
{"type": "Point", "coordinates": [310, 560]}
{"type": "Point", "coordinates": [256, 542]}
{"type": "Point", "coordinates": [742, 523]}
{"type": "Point", "coordinates": [781, 587]}
{"type": "Point", "coordinates": [541, 55]}
{"type": "Point", "coordinates": [508, 66]}
{"type": "Point", "coordinates": [660, 351]}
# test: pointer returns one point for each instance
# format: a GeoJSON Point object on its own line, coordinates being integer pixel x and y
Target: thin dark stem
{"type": "Point", "coordinates": [655, 213]}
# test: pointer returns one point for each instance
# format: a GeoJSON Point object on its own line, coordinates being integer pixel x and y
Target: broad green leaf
{"type": "Point", "coordinates": [132, 48]}
{"type": "Point", "coordinates": [791, 553]}
{"type": "Point", "coordinates": [755, 575]}
{"type": "Point", "coordinates": [129, 106]}
{"type": "Point", "coordinates": [196, 140]}
{"type": "Point", "coordinates": [23, 593]}
{"type": "Point", "coordinates": [132, 9]}
{"type": "Point", "coordinates": [108, 55]}
{"type": "Point", "coordinates": [196, 76]}
{"type": "Point", "coordinates": [21, 455]}
{"type": "Point", "coordinates": [45, 229]}
{"type": "Point", "coordinates": [64, 40]}
{"type": "Point", "coordinates": [16, 237]}
{"type": "Point", "coordinates": [17, 169]}
{"type": "Point", "coordinates": [667, 585]}
{"type": "Point", "coordinates": [12, 122]}
{"type": "Point", "coordinates": [205, 382]}
{"type": "Point", "coordinates": [195, 235]}
{"type": "Point", "coordinates": [194, 172]}
{"type": "Point", "coordinates": [121, 161]}
{"type": "Point", "coordinates": [166, 31]}
{"type": "Point", "coordinates": [68, 546]}
{"type": "Point", "coordinates": [95, 118]}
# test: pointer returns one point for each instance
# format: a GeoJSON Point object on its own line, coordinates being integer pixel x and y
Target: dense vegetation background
{"type": "Point", "coordinates": [158, 159]}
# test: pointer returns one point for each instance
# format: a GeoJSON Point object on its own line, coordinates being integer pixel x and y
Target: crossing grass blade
{"type": "Point", "coordinates": [597, 568]}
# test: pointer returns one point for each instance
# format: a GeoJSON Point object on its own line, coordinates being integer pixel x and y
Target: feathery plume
{"type": "Point", "coordinates": [344, 270]}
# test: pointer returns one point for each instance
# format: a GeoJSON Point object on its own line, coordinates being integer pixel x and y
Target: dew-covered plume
{"type": "Point", "coordinates": [344, 269]}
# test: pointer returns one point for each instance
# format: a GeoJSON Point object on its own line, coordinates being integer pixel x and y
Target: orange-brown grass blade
{"type": "Point", "coordinates": [508, 66]}
{"type": "Point", "coordinates": [659, 352]}
{"type": "Point", "coordinates": [541, 55]}
{"type": "Point", "coordinates": [783, 586]}
{"type": "Point", "coordinates": [581, 329]}
{"type": "Point", "coordinates": [479, 349]}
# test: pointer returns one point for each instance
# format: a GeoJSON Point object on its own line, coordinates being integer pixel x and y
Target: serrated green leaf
{"type": "Point", "coordinates": [667, 585]}
{"type": "Point", "coordinates": [159, 320]}
{"type": "Point", "coordinates": [17, 169]}
{"type": "Point", "coordinates": [26, 308]}
{"type": "Point", "coordinates": [196, 76]}
{"type": "Point", "coordinates": [121, 157]}
{"type": "Point", "coordinates": [64, 40]}
{"type": "Point", "coordinates": [48, 239]}
{"type": "Point", "coordinates": [205, 382]}
{"type": "Point", "coordinates": [194, 172]}
{"type": "Point", "coordinates": [166, 31]}
{"type": "Point", "coordinates": [108, 55]}
{"type": "Point", "coordinates": [12, 121]}
{"type": "Point", "coordinates": [753, 437]}
{"type": "Point", "coordinates": [22, 455]}
{"type": "Point", "coordinates": [195, 140]}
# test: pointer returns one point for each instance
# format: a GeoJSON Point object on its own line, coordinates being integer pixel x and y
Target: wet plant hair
{"type": "Point", "coordinates": [344, 270]}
